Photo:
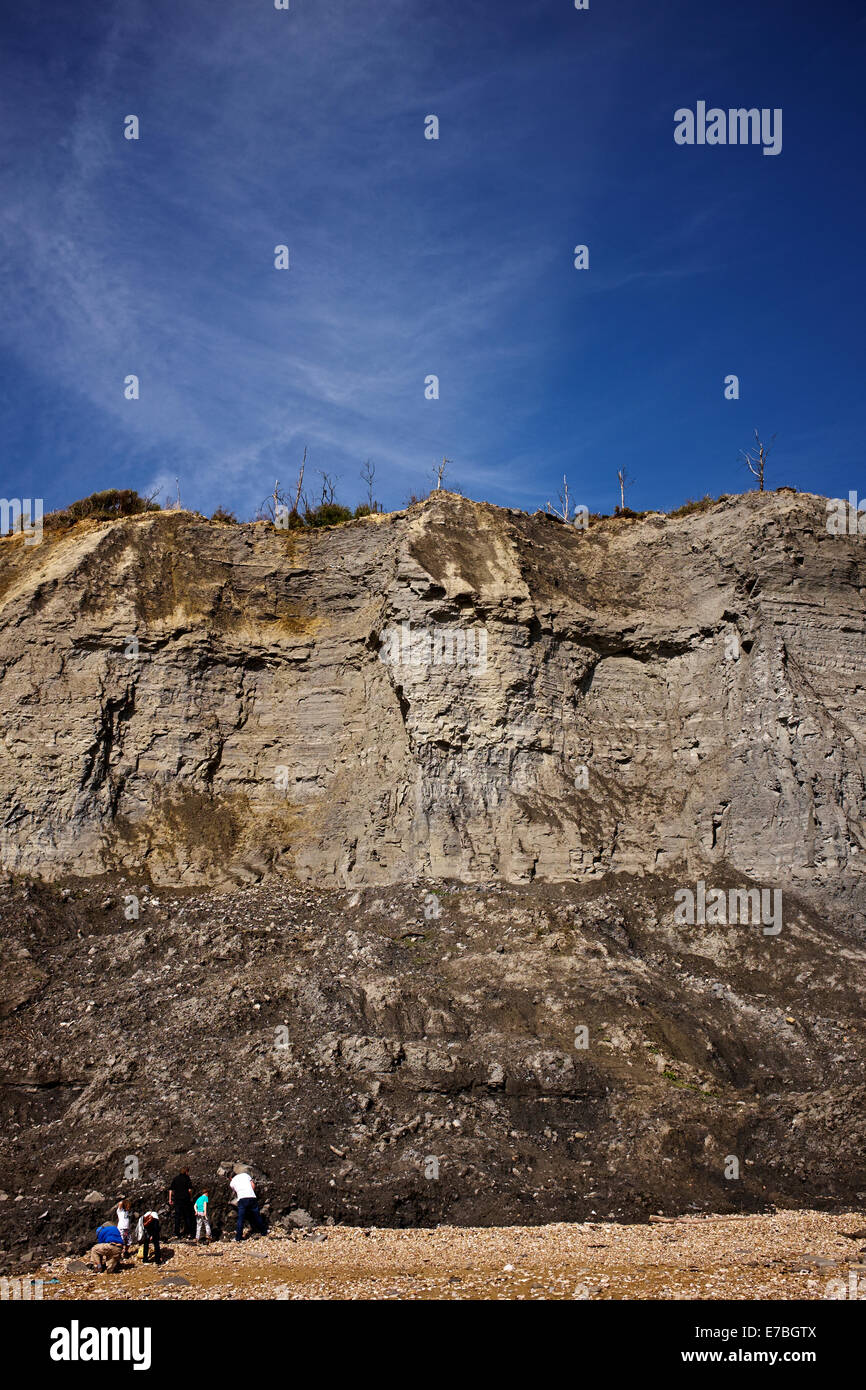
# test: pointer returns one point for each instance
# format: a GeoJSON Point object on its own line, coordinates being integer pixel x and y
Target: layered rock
{"type": "Point", "coordinates": [702, 676]}
{"type": "Point", "coordinates": [421, 794]}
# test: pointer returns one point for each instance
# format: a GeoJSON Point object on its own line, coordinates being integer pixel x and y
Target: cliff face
{"type": "Point", "coordinates": [638, 697]}
{"type": "Point", "coordinates": [625, 712]}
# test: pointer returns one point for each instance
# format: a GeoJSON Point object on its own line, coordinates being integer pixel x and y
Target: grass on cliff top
{"type": "Point", "coordinates": [101, 506]}
{"type": "Point", "coordinates": [113, 503]}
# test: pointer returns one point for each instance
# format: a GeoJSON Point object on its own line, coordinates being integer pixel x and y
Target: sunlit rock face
{"type": "Point", "coordinates": [452, 692]}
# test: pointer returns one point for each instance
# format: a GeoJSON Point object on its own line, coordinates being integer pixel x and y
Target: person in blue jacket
{"type": "Point", "coordinates": [108, 1250]}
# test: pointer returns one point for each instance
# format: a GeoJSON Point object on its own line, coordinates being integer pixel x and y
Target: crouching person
{"type": "Point", "coordinates": [108, 1250]}
{"type": "Point", "coordinates": [147, 1231]}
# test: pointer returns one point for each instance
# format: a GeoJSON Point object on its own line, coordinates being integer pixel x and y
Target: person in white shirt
{"type": "Point", "coordinates": [244, 1189]}
{"type": "Point", "coordinates": [123, 1220]}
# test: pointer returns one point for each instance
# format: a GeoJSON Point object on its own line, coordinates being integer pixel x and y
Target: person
{"type": "Point", "coordinates": [180, 1200]}
{"type": "Point", "coordinates": [202, 1213]}
{"type": "Point", "coordinates": [123, 1220]}
{"type": "Point", "coordinates": [108, 1250]}
{"type": "Point", "coordinates": [147, 1231]}
{"type": "Point", "coordinates": [244, 1189]}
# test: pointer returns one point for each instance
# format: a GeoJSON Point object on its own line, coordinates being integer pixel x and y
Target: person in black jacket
{"type": "Point", "coordinates": [180, 1201]}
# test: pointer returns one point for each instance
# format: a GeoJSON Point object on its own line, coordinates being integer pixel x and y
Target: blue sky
{"type": "Point", "coordinates": [411, 257]}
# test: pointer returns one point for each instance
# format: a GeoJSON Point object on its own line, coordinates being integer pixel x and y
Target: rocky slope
{"type": "Point", "coordinates": [339, 1041]}
{"type": "Point", "coordinates": [379, 900]}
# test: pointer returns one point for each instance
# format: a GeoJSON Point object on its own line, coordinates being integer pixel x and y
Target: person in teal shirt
{"type": "Point", "coordinates": [202, 1216]}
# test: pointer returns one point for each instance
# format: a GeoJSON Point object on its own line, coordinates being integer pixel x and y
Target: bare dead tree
{"type": "Point", "coordinates": [275, 503]}
{"type": "Point", "coordinates": [329, 488]}
{"type": "Point", "coordinates": [564, 501]}
{"type": "Point", "coordinates": [439, 472]}
{"type": "Point", "coordinates": [624, 481]}
{"type": "Point", "coordinates": [755, 458]}
{"type": "Point", "coordinates": [368, 473]}
{"type": "Point", "coordinates": [563, 507]}
{"type": "Point", "coordinates": [279, 505]}
{"type": "Point", "coordinates": [269, 509]}
{"type": "Point", "coordinates": [300, 482]}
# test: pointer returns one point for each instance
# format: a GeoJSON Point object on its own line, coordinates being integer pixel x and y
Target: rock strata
{"type": "Point", "coordinates": [641, 696]}
{"type": "Point", "coordinates": [358, 856]}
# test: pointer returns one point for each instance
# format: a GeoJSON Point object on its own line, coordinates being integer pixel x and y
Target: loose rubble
{"type": "Point", "coordinates": [786, 1255]}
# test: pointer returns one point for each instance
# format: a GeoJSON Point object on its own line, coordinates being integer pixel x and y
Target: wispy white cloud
{"type": "Point", "coordinates": [408, 257]}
